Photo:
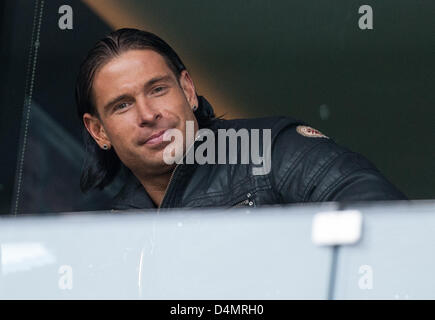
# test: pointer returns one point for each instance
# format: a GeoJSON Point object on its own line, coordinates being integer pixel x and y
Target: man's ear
{"type": "Point", "coordinates": [188, 87]}
{"type": "Point", "coordinates": [96, 130]}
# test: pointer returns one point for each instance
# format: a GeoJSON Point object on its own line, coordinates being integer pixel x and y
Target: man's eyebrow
{"type": "Point", "coordinates": [152, 81]}
{"type": "Point", "coordinates": [113, 101]}
{"type": "Point", "coordinates": [149, 83]}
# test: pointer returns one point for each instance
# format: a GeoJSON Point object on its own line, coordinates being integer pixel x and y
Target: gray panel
{"type": "Point", "coordinates": [398, 244]}
{"type": "Point", "coordinates": [234, 254]}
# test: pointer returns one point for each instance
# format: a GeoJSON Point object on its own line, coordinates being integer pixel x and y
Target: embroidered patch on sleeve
{"type": "Point", "coordinates": [310, 132]}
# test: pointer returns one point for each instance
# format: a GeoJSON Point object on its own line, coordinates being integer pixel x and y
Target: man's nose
{"type": "Point", "coordinates": [147, 113]}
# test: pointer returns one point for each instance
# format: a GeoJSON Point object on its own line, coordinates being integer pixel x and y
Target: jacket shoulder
{"type": "Point", "coordinates": [309, 166]}
{"type": "Point", "coordinates": [275, 123]}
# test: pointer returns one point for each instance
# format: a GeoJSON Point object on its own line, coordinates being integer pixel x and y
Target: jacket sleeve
{"type": "Point", "coordinates": [314, 169]}
{"type": "Point", "coordinates": [351, 177]}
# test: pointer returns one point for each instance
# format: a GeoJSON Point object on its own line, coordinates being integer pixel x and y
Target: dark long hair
{"type": "Point", "coordinates": [101, 166]}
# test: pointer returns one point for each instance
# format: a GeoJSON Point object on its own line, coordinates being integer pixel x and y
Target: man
{"type": "Point", "coordinates": [133, 90]}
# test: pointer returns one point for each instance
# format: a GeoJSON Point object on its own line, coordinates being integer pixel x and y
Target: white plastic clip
{"type": "Point", "coordinates": [336, 227]}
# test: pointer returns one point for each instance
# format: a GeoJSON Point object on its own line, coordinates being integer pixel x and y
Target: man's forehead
{"type": "Point", "coordinates": [126, 72]}
{"type": "Point", "coordinates": [146, 63]}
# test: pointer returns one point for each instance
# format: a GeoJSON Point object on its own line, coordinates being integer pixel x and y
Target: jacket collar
{"type": "Point", "coordinates": [132, 195]}
{"type": "Point", "coordinates": [204, 113]}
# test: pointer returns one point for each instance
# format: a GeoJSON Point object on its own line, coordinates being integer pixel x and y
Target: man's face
{"type": "Point", "coordinates": [138, 96]}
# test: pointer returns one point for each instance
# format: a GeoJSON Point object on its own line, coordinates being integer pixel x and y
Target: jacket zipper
{"type": "Point", "coordinates": [167, 187]}
{"type": "Point", "coordinates": [247, 202]}
{"type": "Point", "coordinates": [244, 202]}
{"type": "Point", "coordinates": [173, 172]}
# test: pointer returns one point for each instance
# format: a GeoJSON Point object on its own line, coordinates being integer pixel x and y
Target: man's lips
{"type": "Point", "coordinates": [155, 138]}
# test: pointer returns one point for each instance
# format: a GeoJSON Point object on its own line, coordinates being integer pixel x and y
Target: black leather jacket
{"type": "Point", "coordinates": [304, 168]}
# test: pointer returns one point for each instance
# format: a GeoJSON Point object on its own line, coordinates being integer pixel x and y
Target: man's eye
{"type": "Point", "coordinates": [158, 89]}
{"type": "Point", "coordinates": [121, 106]}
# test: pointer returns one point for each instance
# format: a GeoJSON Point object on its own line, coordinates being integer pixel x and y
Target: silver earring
{"type": "Point", "coordinates": [105, 146]}
{"type": "Point", "coordinates": [194, 108]}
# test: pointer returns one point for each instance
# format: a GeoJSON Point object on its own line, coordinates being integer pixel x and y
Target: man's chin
{"type": "Point", "coordinates": [157, 160]}
{"type": "Point", "coordinates": [161, 168]}
{"type": "Point", "coordinates": [157, 164]}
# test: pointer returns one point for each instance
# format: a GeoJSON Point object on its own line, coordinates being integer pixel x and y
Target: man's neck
{"type": "Point", "coordinates": [156, 186]}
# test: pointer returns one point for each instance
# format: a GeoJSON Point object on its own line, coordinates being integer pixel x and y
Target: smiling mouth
{"type": "Point", "coordinates": [155, 138]}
